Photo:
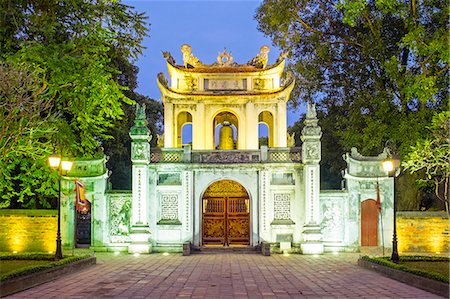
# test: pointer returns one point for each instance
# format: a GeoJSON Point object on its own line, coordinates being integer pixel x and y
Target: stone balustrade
{"type": "Point", "coordinates": [186, 155]}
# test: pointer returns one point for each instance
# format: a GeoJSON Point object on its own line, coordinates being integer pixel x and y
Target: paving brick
{"type": "Point", "coordinates": [224, 276]}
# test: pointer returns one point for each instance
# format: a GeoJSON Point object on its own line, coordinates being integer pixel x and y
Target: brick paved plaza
{"type": "Point", "coordinates": [224, 275]}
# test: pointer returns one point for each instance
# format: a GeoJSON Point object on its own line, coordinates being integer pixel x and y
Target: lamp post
{"type": "Point", "coordinates": [390, 165]}
{"type": "Point", "coordinates": [56, 163]}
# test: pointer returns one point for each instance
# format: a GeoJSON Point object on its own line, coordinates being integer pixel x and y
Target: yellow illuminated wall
{"type": "Point", "coordinates": [28, 230]}
{"type": "Point", "coordinates": [423, 232]}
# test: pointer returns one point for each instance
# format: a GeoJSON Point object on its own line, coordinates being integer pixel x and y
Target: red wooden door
{"type": "Point", "coordinates": [369, 223]}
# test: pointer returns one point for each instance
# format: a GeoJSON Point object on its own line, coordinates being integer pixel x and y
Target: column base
{"type": "Point", "coordinates": [312, 236]}
{"type": "Point", "coordinates": [312, 248]}
{"type": "Point", "coordinates": [140, 240]}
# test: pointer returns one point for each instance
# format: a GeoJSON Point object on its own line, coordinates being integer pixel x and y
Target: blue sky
{"type": "Point", "coordinates": [208, 26]}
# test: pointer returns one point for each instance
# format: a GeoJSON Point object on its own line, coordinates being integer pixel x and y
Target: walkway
{"type": "Point", "coordinates": [224, 276]}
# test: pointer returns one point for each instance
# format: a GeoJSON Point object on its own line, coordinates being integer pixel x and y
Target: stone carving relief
{"type": "Point", "coordinates": [169, 179]}
{"type": "Point", "coordinates": [261, 59]}
{"type": "Point", "coordinates": [169, 206]}
{"type": "Point", "coordinates": [291, 139]}
{"type": "Point", "coordinates": [168, 57]}
{"type": "Point", "coordinates": [225, 188]}
{"type": "Point", "coordinates": [189, 60]}
{"type": "Point", "coordinates": [224, 58]}
{"type": "Point", "coordinates": [139, 151]}
{"type": "Point", "coordinates": [160, 140]}
{"type": "Point", "coordinates": [312, 151]}
{"type": "Point", "coordinates": [332, 221]}
{"type": "Point", "coordinates": [191, 83]}
{"type": "Point", "coordinates": [119, 215]}
{"type": "Point", "coordinates": [240, 84]}
{"type": "Point", "coordinates": [282, 206]}
{"type": "Point", "coordinates": [311, 111]}
{"type": "Point", "coordinates": [259, 84]}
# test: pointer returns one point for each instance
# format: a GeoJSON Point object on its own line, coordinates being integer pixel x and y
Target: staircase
{"type": "Point", "coordinates": [226, 249]}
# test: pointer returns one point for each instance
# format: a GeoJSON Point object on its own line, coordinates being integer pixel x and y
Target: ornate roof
{"type": "Point", "coordinates": [224, 63]}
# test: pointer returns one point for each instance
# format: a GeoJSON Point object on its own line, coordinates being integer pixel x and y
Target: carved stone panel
{"type": "Point", "coordinates": [169, 206]}
{"type": "Point", "coordinates": [282, 206]}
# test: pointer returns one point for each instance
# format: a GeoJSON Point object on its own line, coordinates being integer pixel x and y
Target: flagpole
{"type": "Point", "coordinates": [380, 212]}
{"type": "Point", "coordinates": [382, 230]}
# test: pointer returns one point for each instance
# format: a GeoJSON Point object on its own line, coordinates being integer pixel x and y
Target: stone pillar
{"type": "Point", "coordinates": [252, 126]}
{"type": "Point", "coordinates": [198, 125]}
{"type": "Point", "coordinates": [281, 138]}
{"type": "Point", "coordinates": [140, 157]}
{"type": "Point", "coordinates": [311, 152]}
{"type": "Point", "coordinates": [168, 125]}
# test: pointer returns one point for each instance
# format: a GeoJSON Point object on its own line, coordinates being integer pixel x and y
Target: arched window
{"type": "Point", "coordinates": [186, 134]}
{"type": "Point", "coordinates": [184, 128]}
{"type": "Point", "coordinates": [263, 134]}
{"type": "Point", "coordinates": [225, 138]}
{"type": "Point", "coordinates": [265, 128]}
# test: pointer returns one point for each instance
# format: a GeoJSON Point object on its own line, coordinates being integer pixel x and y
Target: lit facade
{"type": "Point", "coordinates": [225, 189]}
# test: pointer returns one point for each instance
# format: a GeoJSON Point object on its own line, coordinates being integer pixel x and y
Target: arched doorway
{"type": "Point", "coordinates": [83, 224]}
{"type": "Point", "coordinates": [369, 223]}
{"type": "Point", "coordinates": [225, 214]}
{"type": "Point", "coordinates": [265, 128]}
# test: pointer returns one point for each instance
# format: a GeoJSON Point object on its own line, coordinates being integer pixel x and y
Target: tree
{"type": "Point", "coordinates": [378, 70]}
{"type": "Point", "coordinates": [383, 68]}
{"type": "Point", "coordinates": [119, 147]}
{"type": "Point", "coordinates": [27, 126]}
{"type": "Point", "coordinates": [432, 155]}
{"type": "Point", "coordinates": [78, 47]}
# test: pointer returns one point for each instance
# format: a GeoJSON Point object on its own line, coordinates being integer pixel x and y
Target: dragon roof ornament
{"type": "Point", "coordinates": [224, 59]}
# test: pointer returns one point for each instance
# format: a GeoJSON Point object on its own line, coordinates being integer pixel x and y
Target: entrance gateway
{"type": "Point", "coordinates": [210, 182]}
{"type": "Point", "coordinates": [226, 214]}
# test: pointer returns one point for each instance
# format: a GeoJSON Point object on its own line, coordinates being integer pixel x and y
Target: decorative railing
{"type": "Point", "coordinates": [172, 155]}
{"type": "Point", "coordinates": [282, 155]}
{"type": "Point", "coordinates": [264, 155]}
{"type": "Point", "coordinates": [225, 157]}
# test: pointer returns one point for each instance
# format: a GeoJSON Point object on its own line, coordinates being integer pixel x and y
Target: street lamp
{"type": "Point", "coordinates": [56, 163]}
{"type": "Point", "coordinates": [391, 165]}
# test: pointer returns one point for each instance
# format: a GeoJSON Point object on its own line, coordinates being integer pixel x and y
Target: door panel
{"type": "Point", "coordinates": [214, 222]}
{"type": "Point", "coordinates": [369, 223]}
{"type": "Point", "coordinates": [238, 228]}
{"type": "Point", "coordinates": [226, 221]}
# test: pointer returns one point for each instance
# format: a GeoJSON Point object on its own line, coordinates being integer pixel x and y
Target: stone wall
{"type": "Point", "coordinates": [423, 232]}
{"type": "Point", "coordinates": [28, 230]}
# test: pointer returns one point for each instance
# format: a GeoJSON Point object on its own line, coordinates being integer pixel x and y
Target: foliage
{"type": "Point", "coordinates": [373, 67]}
{"type": "Point", "coordinates": [331, 162]}
{"type": "Point", "coordinates": [119, 148]}
{"type": "Point", "coordinates": [28, 124]}
{"type": "Point", "coordinates": [378, 70]}
{"type": "Point", "coordinates": [38, 268]}
{"type": "Point", "coordinates": [79, 50]}
{"type": "Point", "coordinates": [27, 115]}
{"type": "Point", "coordinates": [385, 261]}
{"type": "Point", "coordinates": [432, 155]}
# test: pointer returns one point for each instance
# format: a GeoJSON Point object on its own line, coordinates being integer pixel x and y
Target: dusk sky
{"type": "Point", "coordinates": [208, 26]}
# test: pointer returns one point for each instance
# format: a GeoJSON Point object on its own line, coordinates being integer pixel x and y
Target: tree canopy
{"type": "Point", "coordinates": [79, 53]}
{"type": "Point", "coordinates": [378, 68]}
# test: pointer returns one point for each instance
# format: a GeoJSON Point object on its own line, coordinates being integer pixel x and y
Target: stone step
{"type": "Point", "coordinates": [226, 249]}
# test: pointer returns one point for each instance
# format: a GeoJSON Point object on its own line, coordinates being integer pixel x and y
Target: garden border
{"type": "Point", "coordinates": [433, 286]}
{"type": "Point", "coordinates": [21, 283]}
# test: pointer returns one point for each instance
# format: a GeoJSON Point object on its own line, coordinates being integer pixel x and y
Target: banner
{"type": "Point", "coordinates": [80, 197]}
{"type": "Point", "coordinates": [378, 198]}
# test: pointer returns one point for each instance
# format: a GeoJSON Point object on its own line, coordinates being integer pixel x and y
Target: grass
{"type": "Point", "coordinates": [7, 266]}
{"type": "Point", "coordinates": [440, 267]}
{"type": "Point", "coordinates": [436, 268]}
{"type": "Point", "coordinates": [16, 265]}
